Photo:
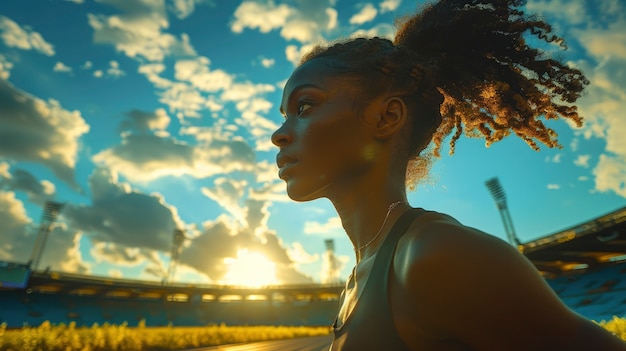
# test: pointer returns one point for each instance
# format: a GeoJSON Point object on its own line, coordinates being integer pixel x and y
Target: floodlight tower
{"type": "Point", "coordinates": [498, 195]}
{"type": "Point", "coordinates": [50, 212]}
{"type": "Point", "coordinates": [330, 268]}
{"type": "Point", "coordinates": [177, 242]}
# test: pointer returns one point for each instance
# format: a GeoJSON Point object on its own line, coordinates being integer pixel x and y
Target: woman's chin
{"type": "Point", "coordinates": [301, 194]}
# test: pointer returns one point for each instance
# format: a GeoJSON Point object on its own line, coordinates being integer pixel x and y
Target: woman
{"type": "Point", "coordinates": [362, 117]}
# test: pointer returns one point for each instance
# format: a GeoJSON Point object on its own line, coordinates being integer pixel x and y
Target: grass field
{"type": "Point", "coordinates": [48, 337]}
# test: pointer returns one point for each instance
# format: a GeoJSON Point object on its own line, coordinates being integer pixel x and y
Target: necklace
{"type": "Point", "coordinates": [357, 250]}
{"type": "Point", "coordinates": [392, 206]}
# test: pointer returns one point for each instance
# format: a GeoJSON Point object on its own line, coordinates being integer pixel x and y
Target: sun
{"type": "Point", "coordinates": [250, 268]}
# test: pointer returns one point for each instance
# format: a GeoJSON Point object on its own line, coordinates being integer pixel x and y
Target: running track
{"type": "Point", "coordinates": [315, 343]}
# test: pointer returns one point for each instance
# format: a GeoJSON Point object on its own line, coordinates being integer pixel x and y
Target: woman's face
{"type": "Point", "coordinates": [324, 143]}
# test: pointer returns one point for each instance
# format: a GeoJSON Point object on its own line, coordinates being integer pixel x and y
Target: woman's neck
{"type": "Point", "coordinates": [366, 215]}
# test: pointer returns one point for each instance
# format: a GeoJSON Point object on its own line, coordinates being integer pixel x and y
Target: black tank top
{"type": "Point", "coordinates": [370, 325]}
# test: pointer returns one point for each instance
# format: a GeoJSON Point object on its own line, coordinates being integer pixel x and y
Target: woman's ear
{"type": "Point", "coordinates": [391, 117]}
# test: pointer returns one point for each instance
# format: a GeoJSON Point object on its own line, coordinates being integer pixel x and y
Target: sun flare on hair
{"type": "Point", "coordinates": [250, 268]}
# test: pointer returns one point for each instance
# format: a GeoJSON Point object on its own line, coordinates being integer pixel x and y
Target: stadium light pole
{"type": "Point", "coordinates": [179, 238]}
{"type": "Point", "coordinates": [497, 192]}
{"type": "Point", "coordinates": [49, 215]}
{"type": "Point", "coordinates": [330, 270]}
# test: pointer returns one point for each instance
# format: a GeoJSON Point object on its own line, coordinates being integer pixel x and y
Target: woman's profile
{"type": "Point", "coordinates": [362, 119]}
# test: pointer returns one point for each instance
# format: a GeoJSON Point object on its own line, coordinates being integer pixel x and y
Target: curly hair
{"type": "Point", "coordinates": [464, 66]}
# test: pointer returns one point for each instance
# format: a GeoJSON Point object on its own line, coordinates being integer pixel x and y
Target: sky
{"type": "Point", "coordinates": [144, 117]}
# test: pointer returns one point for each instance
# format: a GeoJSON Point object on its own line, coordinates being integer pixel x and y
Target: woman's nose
{"type": "Point", "coordinates": [281, 136]}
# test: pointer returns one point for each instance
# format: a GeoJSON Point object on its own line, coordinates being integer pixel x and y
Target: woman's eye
{"type": "Point", "coordinates": [303, 107]}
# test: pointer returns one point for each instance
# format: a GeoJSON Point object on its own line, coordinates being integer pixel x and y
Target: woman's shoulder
{"type": "Point", "coordinates": [438, 254]}
{"type": "Point", "coordinates": [436, 233]}
{"type": "Point", "coordinates": [438, 239]}
{"type": "Point", "coordinates": [459, 283]}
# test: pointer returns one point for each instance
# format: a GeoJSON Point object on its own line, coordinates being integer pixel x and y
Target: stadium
{"type": "Point", "coordinates": [584, 264]}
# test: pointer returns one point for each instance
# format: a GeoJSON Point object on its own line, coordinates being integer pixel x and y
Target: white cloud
{"type": "Point", "coordinates": [265, 17]}
{"type": "Point", "coordinates": [298, 254]}
{"type": "Point", "coordinates": [183, 8]}
{"type": "Point", "coordinates": [17, 238]}
{"type": "Point", "coordinates": [599, 44]}
{"type": "Point", "coordinates": [389, 5]}
{"type": "Point", "coordinates": [183, 98]}
{"type": "Point", "coordinates": [331, 227]}
{"type": "Point", "coordinates": [144, 121]}
{"type": "Point", "coordinates": [114, 70]}
{"type": "Point", "coordinates": [304, 23]}
{"type": "Point", "coordinates": [61, 67]}
{"type": "Point", "coordinates": [366, 14]}
{"type": "Point", "coordinates": [63, 251]}
{"type": "Point", "coordinates": [145, 157]}
{"type": "Point", "coordinates": [152, 71]}
{"type": "Point", "coordinates": [553, 186]}
{"type": "Point", "coordinates": [118, 254]}
{"type": "Point", "coordinates": [242, 91]}
{"type": "Point", "coordinates": [332, 18]}
{"type": "Point", "coordinates": [303, 31]}
{"type": "Point", "coordinates": [604, 108]}
{"type": "Point", "coordinates": [219, 242]}
{"type": "Point", "coordinates": [610, 174]}
{"type": "Point", "coordinates": [128, 220]}
{"type": "Point", "coordinates": [13, 35]}
{"type": "Point", "coordinates": [267, 62]}
{"type": "Point", "coordinates": [20, 180]}
{"type": "Point", "coordinates": [138, 31]}
{"type": "Point", "coordinates": [228, 192]}
{"type": "Point", "coordinates": [5, 68]}
{"type": "Point", "coordinates": [582, 161]}
{"type": "Point", "coordinates": [196, 71]}
{"type": "Point", "coordinates": [573, 12]}
{"type": "Point", "coordinates": [554, 159]}
{"type": "Point", "coordinates": [257, 125]}
{"type": "Point", "coordinates": [76, 1]}
{"type": "Point", "coordinates": [196, 86]}
{"type": "Point", "coordinates": [295, 53]}
{"type": "Point", "coordinates": [32, 129]}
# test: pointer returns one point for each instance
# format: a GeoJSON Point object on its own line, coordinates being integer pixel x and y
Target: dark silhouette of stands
{"type": "Point", "coordinates": [188, 307]}
{"type": "Point", "coordinates": [597, 294]}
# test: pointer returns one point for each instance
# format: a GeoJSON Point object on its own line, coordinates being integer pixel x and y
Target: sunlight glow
{"type": "Point", "coordinates": [250, 268]}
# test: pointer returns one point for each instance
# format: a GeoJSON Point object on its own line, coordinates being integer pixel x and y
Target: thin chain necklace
{"type": "Point", "coordinates": [357, 250]}
{"type": "Point", "coordinates": [392, 206]}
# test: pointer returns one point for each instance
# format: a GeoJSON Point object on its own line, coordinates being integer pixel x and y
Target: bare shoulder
{"type": "Point", "coordinates": [477, 289]}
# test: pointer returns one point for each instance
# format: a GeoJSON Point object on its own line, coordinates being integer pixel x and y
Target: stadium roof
{"type": "Point", "coordinates": [67, 283]}
{"type": "Point", "coordinates": [599, 241]}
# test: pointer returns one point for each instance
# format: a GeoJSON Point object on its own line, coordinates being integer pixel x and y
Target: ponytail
{"type": "Point", "coordinates": [492, 81]}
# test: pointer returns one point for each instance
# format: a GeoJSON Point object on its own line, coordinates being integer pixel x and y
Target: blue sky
{"type": "Point", "coordinates": [148, 116]}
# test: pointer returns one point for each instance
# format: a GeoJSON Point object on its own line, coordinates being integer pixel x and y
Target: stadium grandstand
{"type": "Point", "coordinates": [585, 265]}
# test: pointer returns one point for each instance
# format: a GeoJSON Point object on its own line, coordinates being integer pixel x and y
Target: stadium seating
{"type": "Point", "coordinates": [597, 294]}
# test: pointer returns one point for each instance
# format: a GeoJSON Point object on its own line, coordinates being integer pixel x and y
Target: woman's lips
{"type": "Point", "coordinates": [284, 163]}
{"type": "Point", "coordinates": [282, 171]}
